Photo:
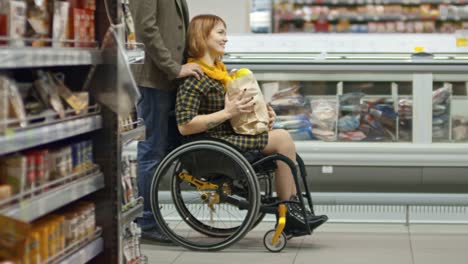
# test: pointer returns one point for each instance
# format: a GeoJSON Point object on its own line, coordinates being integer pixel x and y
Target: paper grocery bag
{"type": "Point", "coordinates": [255, 122]}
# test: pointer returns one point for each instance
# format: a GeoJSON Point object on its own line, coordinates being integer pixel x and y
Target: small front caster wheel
{"type": "Point", "coordinates": [268, 241]}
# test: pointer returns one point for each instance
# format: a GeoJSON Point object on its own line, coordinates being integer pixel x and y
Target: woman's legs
{"type": "Point", "coordinates": [279, 141]}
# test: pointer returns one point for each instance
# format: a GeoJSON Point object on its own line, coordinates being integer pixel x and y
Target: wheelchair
{"type": "Point", "coordinates": [207, 195]}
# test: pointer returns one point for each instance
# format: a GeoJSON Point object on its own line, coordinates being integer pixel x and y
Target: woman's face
{"type": "Point", "coordinates": [217, 39]}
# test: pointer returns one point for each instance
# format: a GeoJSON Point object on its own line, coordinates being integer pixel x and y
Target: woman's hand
{"type": "Point", "coordinates": [239, 105]}
{"type": "Point", "coordinates": [271, 117]}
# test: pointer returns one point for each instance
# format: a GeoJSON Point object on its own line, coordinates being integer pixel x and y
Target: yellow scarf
{"type": "Point", "coordinates": [217, 71]}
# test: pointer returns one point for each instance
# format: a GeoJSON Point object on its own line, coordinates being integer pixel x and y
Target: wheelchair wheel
{"type": "Point", "coordinates": [268, 241]}
{"type": "Point", "coordinates": [205, 195]}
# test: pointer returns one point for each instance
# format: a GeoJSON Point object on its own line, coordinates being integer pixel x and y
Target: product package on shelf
{"type": "Point", "coordinates": [129, 181]}
{"type": "Point", "coordinates": [30, 172]}
{"type": "Point", "coordinates": [323, 118]}
{"type": "Point", "coordinates": [13, 22]}
{"type": "Point", "coordinates": [129, 25]}
{"type": "Point", "coordinates": [131, 244]}
{"type": "Point", "coordinates": [60, 29]}
{"type": "Point", "coordinates": [364, 117]}
{"type": "Point", "coordinates": [13, 238]}
{"type": "Point", "coordinates": [14, 172]}
{"type": "Point", "coordinates": [4, 103]}
{"type": "Point", "coordinates": [48, 236]}
{"type": "Point", "coordinates": [293, 113]}
{"type": "Point", "coordinates": [39, 19]}
{"type": "Point", "coordinates": [441, 119]}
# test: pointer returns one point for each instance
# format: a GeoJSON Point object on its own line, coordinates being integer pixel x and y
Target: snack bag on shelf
{"type": "Point", "coordinates": [251, 123]}
{"type": "Point", "coordinates": [39, 20]}
{"type": "Point", "coordinates": [60, 23]}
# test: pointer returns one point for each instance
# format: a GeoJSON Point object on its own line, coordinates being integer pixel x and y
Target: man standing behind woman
{"type": "Point", "coordinates": [161, 26]}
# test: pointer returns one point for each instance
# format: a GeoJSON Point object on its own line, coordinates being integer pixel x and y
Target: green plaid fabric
{"type": "Point", "coordinates": [206, 96]}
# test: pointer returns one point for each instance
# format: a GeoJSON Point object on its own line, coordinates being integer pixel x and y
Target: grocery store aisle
{"type": "Point", "coordinates": [337, 243]}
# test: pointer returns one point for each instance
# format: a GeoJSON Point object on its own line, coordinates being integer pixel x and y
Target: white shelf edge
{"type": "Point", "coordinates": [131, 214]}
{"type": "Point", "coordinates": [138, 133]}
{"type": "Point", "coordinates": [47, 202]}
{"type": "Point", "coordinates": [25, 57]}
{"type": "Point", "coordinates": [86, 253]}
{"type": "Point", "coordinates": [49, 133]}
{"type": "Point", "coordinates": [383, 154]}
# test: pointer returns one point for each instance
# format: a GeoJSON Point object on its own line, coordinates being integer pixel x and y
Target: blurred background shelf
{"type": "Point", "coordinates": [25, 138]}
{"type": "Point", "coordinates": [32, 208]}
{"type": "Point", "coordinates": [26, 57]}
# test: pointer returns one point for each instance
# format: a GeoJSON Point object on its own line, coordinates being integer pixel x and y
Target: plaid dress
{"type": "Point", "coordinates": [206, 96]}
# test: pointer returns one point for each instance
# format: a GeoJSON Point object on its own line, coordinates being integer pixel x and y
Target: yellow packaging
{"type": "Point", "coordinates": [13, 236]}
{"type": "Point", "coordinates": [33, 256]}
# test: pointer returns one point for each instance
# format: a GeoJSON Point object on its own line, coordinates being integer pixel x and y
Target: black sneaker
{"type": "Point", "coordinates": [155, 235]}
{"type": "Point", "coordinates": [295, 222]}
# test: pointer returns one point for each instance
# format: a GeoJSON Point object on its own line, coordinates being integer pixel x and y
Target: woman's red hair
{"type": "Point", "coordinates": [198, 31]}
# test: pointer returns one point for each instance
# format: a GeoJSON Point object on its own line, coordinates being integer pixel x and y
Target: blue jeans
{"type": "Point", "coordinates": [156, 108]}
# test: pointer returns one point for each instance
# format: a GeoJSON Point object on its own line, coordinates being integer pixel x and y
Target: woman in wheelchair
{"type": "Point", "coordinates": [202, 108]}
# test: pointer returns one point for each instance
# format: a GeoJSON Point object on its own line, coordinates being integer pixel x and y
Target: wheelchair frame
{"type": "Point", "coordinates": [274, 240]}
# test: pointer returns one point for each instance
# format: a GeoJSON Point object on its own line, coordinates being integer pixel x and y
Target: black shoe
{"type": "Point", "coordinates": [154, 235]}
{"type": "Point", "coordinates": [295, 222]}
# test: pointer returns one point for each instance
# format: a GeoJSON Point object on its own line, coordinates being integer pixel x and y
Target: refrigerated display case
{"type": "Point", "coordinates": [366, 121]}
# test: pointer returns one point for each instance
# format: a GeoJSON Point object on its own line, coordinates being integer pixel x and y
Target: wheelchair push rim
{"type": "Point", "coordinates": [211, 209]}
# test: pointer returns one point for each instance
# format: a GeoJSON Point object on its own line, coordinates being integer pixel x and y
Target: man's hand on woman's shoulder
{"type": "Point", "coordinates": [190, 69]}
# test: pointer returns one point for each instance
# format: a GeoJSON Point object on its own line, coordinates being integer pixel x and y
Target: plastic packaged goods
{"type": "Point", "coordinates": [13, 21]}
{"type": "Point", "coordinates": [129, 25]}
{"type": "Point", "coordinates": [4, 103]}
{"type": "Point", "coordinates": [60, 23]}
{"type": "Point", "coordinates": [39, 22]}
{"type": "Point", "coordinates": [18, 111]}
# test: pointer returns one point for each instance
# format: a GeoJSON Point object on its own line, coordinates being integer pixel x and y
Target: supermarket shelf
{"type": "Point", "coordinates": [37, 206]}
{"type": "Point", "coordinates": [379, 2]}
{"type": "Point", "coordinates": [84, 254]}
{"type": "Point", "coordinates": [138, 133]}
{"type": "Point", "coordinates": [135, 53]}
{"type": "Point", "coordinates": [26, 57]}
{"type": "Point", "coordinates": [370, 18]}
{"type": "Point", "coordinates": [27, 138]}
{"type": "Point", "coordinates": [131, 214]}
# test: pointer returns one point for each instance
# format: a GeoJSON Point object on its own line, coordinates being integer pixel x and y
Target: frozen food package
{"type": "Point", "coordinates": [39, 21]}
{"type": "Point", "coordinates": [60, 23]}
{"type": "Point", "coordinates": [441, 95]}
{"type": "Point", "coordinates": [289, 92]}
{"type": "Point", "coordinates": [324, 114]}
{"type": "Point", "coordinates": [255, 122]}
{"type": "Point", "coordinates": [348, 123]}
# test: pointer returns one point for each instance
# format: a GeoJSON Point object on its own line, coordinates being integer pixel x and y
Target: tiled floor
{"type": "Point", "coordinates": [336, 243]}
